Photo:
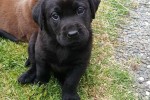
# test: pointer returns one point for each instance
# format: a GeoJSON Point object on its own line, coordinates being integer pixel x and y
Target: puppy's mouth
{"type": "Point", "coordinates": [77, 41]}
{"type": "Point", "coordinates": [67, 41]}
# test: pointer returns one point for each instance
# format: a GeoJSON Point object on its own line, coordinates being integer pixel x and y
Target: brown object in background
{"type": "Point", "coordinates": [16, 18]}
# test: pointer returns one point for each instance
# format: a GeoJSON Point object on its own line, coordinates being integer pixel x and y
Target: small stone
{"type": "Point", "coordinates": [148, 83]}
{"type": "Point", "coordinates": [147, 93]}
{"type": "Point", "coordinates": [146, 98]}
{"type": "Point", "coordinates": [141, 79]}
{"type": "Point", "coordinates": [141, 54]}
{"type": "Point", "coordinates": [147, 13]}
{"type": "Point", "coordinates": [146, 23]}
{"type": "Point", "coordinates": [136, 94]}
{"type": "Point", "coordinates": [148, 66]}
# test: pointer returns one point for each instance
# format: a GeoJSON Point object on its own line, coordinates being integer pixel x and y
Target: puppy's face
{"type": "Point", "coordinates": [68, 21]}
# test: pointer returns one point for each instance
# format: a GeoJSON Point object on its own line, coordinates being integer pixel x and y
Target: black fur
{"type": "Point", "coordinates": [6, 35]}
{"type": "Point", "coordinates": [94, 6]}
{"type": "Point", "coordinates": [63, 44]}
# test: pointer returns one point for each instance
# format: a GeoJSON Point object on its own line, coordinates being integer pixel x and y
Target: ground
{"type": "Point", "coordinates": [133, 51]}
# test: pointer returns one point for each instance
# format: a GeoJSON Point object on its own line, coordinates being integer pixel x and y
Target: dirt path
{"type": "Point", "coordinates": [133, 51]}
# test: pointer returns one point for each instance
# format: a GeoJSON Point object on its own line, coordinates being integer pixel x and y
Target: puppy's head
{"type": "Point", "coordinates": [68, 21]}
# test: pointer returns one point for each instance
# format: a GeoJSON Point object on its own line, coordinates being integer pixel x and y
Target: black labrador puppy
{"type": "Point", "coordinates": [63, 44]}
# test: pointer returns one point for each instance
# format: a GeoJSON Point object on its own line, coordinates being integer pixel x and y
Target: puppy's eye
{"type": "Point", "coordinates": [55, 16]}
{"type": "Point", "coordinates": [80, 10]}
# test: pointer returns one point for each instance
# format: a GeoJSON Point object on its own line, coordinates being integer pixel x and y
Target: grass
{"type": "Point", "coordinates": [104, 79]}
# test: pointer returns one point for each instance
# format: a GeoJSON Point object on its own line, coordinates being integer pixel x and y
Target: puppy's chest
{"type": "Point", "coordinates": [62, 60]}
{"type": "Point", "coordinates": [63, 55]}
{"type": "Point", "coordinates": [59, 56]}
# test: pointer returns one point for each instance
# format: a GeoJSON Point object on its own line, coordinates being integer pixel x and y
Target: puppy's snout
{"type": "Point", "coordinates": [73, 34]}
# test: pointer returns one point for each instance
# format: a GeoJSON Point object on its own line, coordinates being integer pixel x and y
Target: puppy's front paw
{"type": "Point", "coordinates": [27, 78]}
{"type": "Point", "coordinates": [40, 81]}
{"type": "Point", "coordinates": [68, 96]}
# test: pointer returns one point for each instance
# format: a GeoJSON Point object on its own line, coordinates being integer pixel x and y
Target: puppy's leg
{"type": "Point", "coordinates": [69, 88]}
{"type": "Point", "coordinates": [60, 78]}
{"type": "Point", "coordinates": [29, 76]}
{"type": "Point", "coordinates": [42, 72]}
{"type": "Point", "coordinates": [27, 63]}
{"type": "Point", "coordinates": [31, 49]}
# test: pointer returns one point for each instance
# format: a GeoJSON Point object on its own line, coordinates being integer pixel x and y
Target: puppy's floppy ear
{"type": "Point", "coordinates": [94, 6]}
{"type": "Point", "coordinates": [37, 14]}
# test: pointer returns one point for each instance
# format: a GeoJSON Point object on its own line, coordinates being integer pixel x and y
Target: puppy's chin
{"type": "Point", "coordinates": [63, 41]}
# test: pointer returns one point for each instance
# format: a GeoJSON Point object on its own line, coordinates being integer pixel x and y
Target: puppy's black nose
{"type": "Point", "coordinates": [72, 34]}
